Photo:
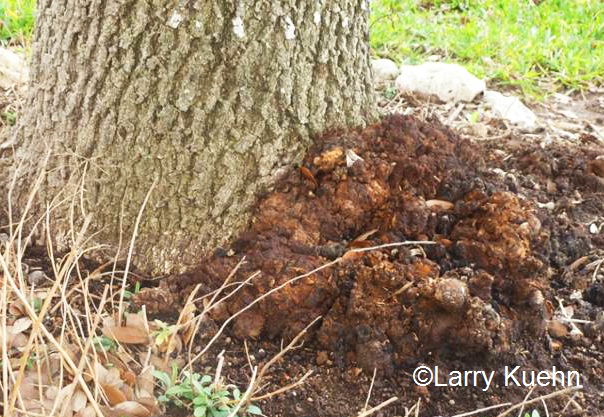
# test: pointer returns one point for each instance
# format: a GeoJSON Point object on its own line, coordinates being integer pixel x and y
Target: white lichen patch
{"type": "Point", "coordinates": [317, 17]}
{"type": "Point", "coordinates": [175, 20]}
{"type": "Point", "coordinates": [238, 28]}
{"type": "Point", "coordinates": [290, 29]}
{"type": "Point", "coordinates": [345, 22]}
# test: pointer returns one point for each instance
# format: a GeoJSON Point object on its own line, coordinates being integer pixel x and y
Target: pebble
{"type": "Point", "coordinates": [36, 277]}
{"type": "Point", "coordinates": [557, 329]}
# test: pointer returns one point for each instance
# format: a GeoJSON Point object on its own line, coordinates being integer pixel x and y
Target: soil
{"type": "Point", "coordinates": [510, 252]}
{"type": "Point", "coordinates": [512, 231]}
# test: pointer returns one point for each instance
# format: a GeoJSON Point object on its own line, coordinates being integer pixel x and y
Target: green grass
{"type": "Point", "coordinates": [558, 44]}
{"type": "Point", "coordinates": [16, 21]}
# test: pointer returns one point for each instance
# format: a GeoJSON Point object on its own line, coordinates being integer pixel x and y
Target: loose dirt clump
{"type": "Point", "coordinates": [476, 248]}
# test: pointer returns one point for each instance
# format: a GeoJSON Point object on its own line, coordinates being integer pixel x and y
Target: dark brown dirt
{"type": "Point", "coordinates": [482, 296]}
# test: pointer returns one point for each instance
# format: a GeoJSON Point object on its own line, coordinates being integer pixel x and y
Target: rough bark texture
{"type": "Point", "coordinates": [210, 99]}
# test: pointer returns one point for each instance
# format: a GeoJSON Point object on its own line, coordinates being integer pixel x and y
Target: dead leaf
{"type": "Point", "coordinates": [113, 394]}
{"type": "Point", "coordinates": [21, 324]}
{"type": "Point", "coordinates": [187, 322]}
{"type": "Point", "coordinates": [440, 205]}
{"type": "Point", "coordinates": [364, 236]}
{"type": "Point", "coordinates": [149, 403]}
{"type": "Point", "coordinates": [16, 309]}
{"type": "Point", "coordinates": [89, 411]}
{"type": "Point", "coordinates": [306, 173]}
{"type": "Point", "coordinates": [78, 401]}
{"type": "Point", "coordinates": [29, 389]}
{"type": "Point", "coordinates": [128, 377]}
{"type": "Point", "coordinates": [127, 409]}
{"type": "Point", "coordinates": [128, 392]}
{"type": "Point", "coordinates": [136, 320]}
{"type": "Point", "coordinates": [144, 382]}
{"type": "Point", "coordinates": [127, 334]}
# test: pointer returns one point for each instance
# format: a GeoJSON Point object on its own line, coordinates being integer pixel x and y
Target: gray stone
{"type": "Point", "coordinates": [448, 82]}
{"type": "Point", "coordinates": [511, 109]}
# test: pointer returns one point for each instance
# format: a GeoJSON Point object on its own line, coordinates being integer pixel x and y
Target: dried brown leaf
{"type": "Point", "coordinates": [16, 309]}
{"type": "Point", "coordinates": [127, 334]}
{"type": "Point", "coordinates": [136, 320]}
{"type": "Point", "coordinates": [440, 204]}
{"type": "Point", "coordinates": [150, 403]}
{"type": "Point", "coordinates": [21, 324]}
{"type": "Point", "coordinates": [128, 377]}
{"type": "Point", "coordinates": [87, 412]}
{"type": "Point", "coordinates": [128, 392]}
{"type": "Point", "coordinates": [113, 394]}
{"type": "Point", "coordinates": [78, 401]}
{"type": "Point", "coordinates": [127, 409]}
{"type": "Point", "coordinates": [28, 389]}
{"type": "Point", "coordinates": [144, 382]}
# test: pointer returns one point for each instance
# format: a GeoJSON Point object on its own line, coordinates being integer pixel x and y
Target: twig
{"type": "Point", "coordinates": [370, 389]}
{"type": "Point", "coordinates": [543, 397]}
{"type": "Point", "coordinates": [283, 351]}
{"type": "Point", "coordinates": [480, 410]}
{"type": "Point", "coordinates": [283, 389]}
{"type": "Point", "coordinates": [525, 400]}
{"type": "Point", "coordinates": [131, 250]}
{"type": "Point", "coordinates": [378, 407]}
{"type": "Point", "coordinates": [246, 395]}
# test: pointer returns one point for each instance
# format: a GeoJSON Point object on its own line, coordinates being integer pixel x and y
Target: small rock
{"type": "Point", "coordinates": [351, 158]}
{"type": "Point", "coordinates": [451, 294]}
{"type": "Point", "coordinates": [449, 82]}
{"type": "Point", "coordinates": [557, 329]}
{"type": "Point", "coordinates": [556, 345]}
{"type": "Point", "coordinates": [480, 129]}
{"type": "Point", "coordinates": [384, 70]}
{"type": "Point", "coordinates": [595, 294]}
{"type": "Point", "coordinates": [511, 109]}
{"type": "Point", "coordinates": [322, 357]}
{"type": "Point", "coordinates": [13, 72]}
{"type": "Point", "coordinates": [36, 277]}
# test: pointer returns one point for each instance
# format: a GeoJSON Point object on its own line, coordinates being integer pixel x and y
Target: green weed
{"type": "Point", "coordinates": [16, 21]}
{"type": "Point", "coordinates": [199, 393]}
{"type": "Point", "coordinates": [557, 44]}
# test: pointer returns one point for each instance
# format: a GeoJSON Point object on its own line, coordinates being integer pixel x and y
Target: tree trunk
{"type": "Point", "coordinates": [208, 100]}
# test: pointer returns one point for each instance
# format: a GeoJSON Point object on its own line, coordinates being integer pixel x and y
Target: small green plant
{"type": "Point", "coordinates": [10, 117]}
{"type": "Point", "coordinates": [16, 21]}
{"type": "Point", "coordinates": [37, 304]}
{"type": "Point", "coordinates": [163, 332]}
{"type": "Point", "coordinates": [200, 393]}
{"type": "Point", "coordinates": [104, 343]}
{"type": "Point", "coordinates": [390, 92]}
{"type": "Point", "coordinates": [128, 294]}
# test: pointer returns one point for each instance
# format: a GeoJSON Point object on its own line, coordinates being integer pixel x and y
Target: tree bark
{"type": "Point", "coordinates": [210, 100]}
